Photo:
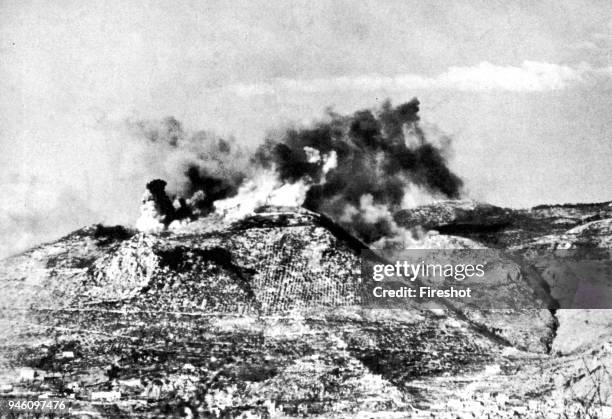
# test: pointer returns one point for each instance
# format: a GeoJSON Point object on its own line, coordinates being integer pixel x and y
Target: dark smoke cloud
{"type": "Point", "coordinates": [378, 156]}
{"type": "Point", "coordinates": [206, 167]}
{"type": "Point", "coordinates": [213, 188]}
{"type": "Point", "coordinates": [379, 153]}
{"type": "Point", "coordinates": [163, 205]}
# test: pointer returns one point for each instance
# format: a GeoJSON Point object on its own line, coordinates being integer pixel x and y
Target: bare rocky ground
{"type": "Point", "coordinates": [263, 318]}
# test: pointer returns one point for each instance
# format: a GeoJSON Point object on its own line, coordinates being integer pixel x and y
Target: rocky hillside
{"type": "Point", "coordinates": [505, 227]}
{"type": "Point", "coordinates": [263, 317]}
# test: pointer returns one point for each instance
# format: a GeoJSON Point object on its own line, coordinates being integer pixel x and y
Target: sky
{"type": "Point", "coordinates": [523, 89]}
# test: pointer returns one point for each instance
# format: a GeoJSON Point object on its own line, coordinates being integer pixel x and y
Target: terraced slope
{"type": "Point", "coordinates": [259, 317]}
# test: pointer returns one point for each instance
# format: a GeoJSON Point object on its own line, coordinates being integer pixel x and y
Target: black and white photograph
{"type": "Point", "coordinates": [306, 209]}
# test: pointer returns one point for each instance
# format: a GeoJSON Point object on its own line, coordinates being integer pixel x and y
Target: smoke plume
{"type": "Point", "coordinates": [358, 169]}
{"type": "Point", "coordinates": [379, 160]}
{"type": "Point", "coordinates": [198, 162]}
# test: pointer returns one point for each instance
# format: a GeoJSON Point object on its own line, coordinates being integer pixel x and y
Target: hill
{"type": "Point", "coordinates": [263, 316]}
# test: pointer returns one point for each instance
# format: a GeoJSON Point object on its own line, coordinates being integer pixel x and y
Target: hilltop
{"type": "Point", "coordinates": [263, 315]}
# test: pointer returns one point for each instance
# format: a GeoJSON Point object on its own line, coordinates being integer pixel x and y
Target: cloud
{"type": "Point", "coordinates": [531, 76]}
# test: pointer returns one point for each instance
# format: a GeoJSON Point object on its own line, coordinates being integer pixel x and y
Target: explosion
{"type": "Point", "coordinates": [357, 169]}
{"type": "Point", "coordinates": [156, 211]}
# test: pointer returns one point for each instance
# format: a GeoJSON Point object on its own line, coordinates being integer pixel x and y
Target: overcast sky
{"type": "Point", "coordinates": [522, 87]}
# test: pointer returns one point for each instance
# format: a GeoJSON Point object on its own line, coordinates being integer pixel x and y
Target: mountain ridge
{"type": "Point", "coordinates": [260, 315]}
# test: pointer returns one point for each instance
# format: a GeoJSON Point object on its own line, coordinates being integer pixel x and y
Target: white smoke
{"type": "Point", "coordinates": [150, 220]}
{"type": "Point", "coordinates": [97, 172]}
{"type": "Point", "coordinates": [265, 188]}
{"type": "Point", "coordinates": [103, 165]}
{"type": "Point", "coordinates": [415, 195]}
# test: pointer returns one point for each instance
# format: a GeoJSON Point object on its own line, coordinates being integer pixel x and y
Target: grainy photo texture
{"type": "Point", "coordinates": [322, 209]}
